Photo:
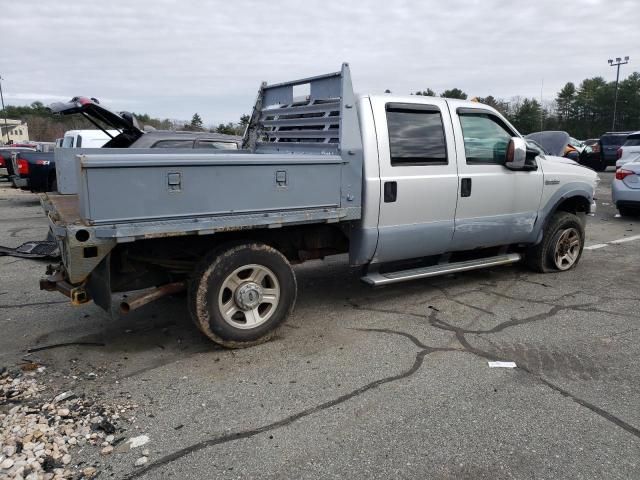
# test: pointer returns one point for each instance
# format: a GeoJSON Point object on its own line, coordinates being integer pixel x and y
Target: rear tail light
{"type": "Point", "coordinates": [23, 167]}
{"type": "Point", "coordinates": [1, 162]}
{"type": "Point", "coordinates": [621, 173]}
{"type": "Point", "coordinates": [618, 153]}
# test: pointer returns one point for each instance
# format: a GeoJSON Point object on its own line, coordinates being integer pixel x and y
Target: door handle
{"type": "Point", "coordinates": [390, 192]}
{"type": "Point", "coordinates": [465, 187]}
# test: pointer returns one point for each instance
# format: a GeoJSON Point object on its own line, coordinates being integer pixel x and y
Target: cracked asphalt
{"type": "Point", "coordinates": [363, 383]}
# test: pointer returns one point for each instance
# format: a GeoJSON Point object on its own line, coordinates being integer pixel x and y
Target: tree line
{"type": "Point", "coordinates": [585, 111]}
{"type": "Point", "coordinates": [45, 126]}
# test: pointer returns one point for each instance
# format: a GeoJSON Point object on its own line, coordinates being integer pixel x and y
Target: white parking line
{"type": "Point", "coordinates": [595, 247]}
{"type": "Point", "coordinates": [627, 239]}
{"type": "Point", "coordinates": [613, 242]}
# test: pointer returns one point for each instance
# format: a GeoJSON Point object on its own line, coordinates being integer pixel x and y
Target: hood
{"type": "Point", "coordinates": [103, 118]}
{"type": "Point", "coordinates": [553, 142]}
{"type": "Point", "coordinates": [564, 160]}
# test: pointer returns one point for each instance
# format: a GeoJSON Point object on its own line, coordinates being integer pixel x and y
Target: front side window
{"type": "Point", "coordinates": [173, 144]}
{"type": "Point", "coordinates": [485, 138]}
{"type": "Point", "coordinates": [67, 142]}
{"type": "Point", "coordinates": [416, 136]}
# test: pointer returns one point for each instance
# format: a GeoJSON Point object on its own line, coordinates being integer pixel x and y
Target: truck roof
{"type": "Point", "coordinates": [453, 102]}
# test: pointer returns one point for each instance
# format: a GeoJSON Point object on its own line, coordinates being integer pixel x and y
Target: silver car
{"type": "Point", "coordinates": [625, 189]}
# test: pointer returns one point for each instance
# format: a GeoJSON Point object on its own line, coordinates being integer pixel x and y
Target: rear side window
{"type": "Point", "coordinates": [633, 141]}
{"type": "Point", "coordinates": [609, 140]}
{"type": "Point", "coordinates": [79, 141]}
{"type": "Point", "coordinates": [416, 136]}
{"type": "Point", "coordinates": [485, 138]}
{"type": "Point", "coordinates": [216, 145]}
{"type": "Point", "coordinates": [173, 144]}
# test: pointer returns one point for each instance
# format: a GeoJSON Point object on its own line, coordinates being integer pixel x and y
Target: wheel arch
{"type": "Point", "coordinates": [573, 198]}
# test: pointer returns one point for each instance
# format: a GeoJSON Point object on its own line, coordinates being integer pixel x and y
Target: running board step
{"type": "Point", "coordinates": [376, 279]}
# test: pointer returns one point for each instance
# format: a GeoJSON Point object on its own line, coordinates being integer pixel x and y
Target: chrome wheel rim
{"type": "Point", "coordinates": [567, 249]}
{"type": "Point", "coordinates": [249, 296]}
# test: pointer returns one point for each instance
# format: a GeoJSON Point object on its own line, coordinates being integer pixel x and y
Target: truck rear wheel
{"type": "Point", "coordinates": [561, 245]}
{"type": "Point", "coordinates": [242, 293]}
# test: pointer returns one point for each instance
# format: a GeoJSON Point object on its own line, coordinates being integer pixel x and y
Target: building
{"type": "Point", "coordinates": [13, 131]}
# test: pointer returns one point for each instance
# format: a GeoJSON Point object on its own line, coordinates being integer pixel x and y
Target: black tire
{"type": "Point", "coordinates": [541, 257]}
{"type": "Point", "coordinates": [628, 212]}
{"type": "Point", "coordinates": [600, 166]}
{"type": "Point", "coordinates": [210, 286]}
{"type": "Point", "coordinates": [53, 184]}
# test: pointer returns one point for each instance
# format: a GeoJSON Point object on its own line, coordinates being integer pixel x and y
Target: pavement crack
{"type": "Point", "coordinates": [231, 437]}
{"type": "Point", "coordinates": [565, 393]}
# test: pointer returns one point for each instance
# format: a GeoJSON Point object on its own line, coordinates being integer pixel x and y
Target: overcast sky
{"type": "Point", "coordinates": [173, 58]}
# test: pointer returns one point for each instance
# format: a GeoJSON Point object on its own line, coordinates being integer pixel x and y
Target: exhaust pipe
{"type": "Point", "coordinates": [168, 289]}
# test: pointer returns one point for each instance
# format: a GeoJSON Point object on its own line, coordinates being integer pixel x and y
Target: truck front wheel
{"type": "Point", "coordinates": [241, 294]}
{"type": "Point", "coordinates": [561, 245]}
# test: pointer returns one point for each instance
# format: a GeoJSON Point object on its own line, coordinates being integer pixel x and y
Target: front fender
{"type": "Point", "coordinates": [546, 211]}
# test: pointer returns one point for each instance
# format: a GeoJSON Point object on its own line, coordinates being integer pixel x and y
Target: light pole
{"type": "Point", "coordinates": [617, 64]}
{"type": "Point", "coordinates": [6, 126]}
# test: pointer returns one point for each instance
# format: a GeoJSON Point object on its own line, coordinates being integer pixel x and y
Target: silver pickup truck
{"type": "Point", "coordinates": [409, 186]}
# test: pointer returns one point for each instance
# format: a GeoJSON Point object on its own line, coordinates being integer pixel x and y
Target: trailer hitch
{"type": "Point", "coordinates": [56, 282]}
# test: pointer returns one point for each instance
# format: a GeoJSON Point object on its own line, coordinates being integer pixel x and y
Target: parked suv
{"type": "Point", "coordinates": [610, 142]}
{"type": "Point", "coordinates": [630, 151]}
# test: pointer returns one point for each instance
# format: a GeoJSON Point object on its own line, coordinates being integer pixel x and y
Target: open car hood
{"type": "Point", "coordinates": [103, 118]}
{"type": "Point", "coordinates": [553, 142]}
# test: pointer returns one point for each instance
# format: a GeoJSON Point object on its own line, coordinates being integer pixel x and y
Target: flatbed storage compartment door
{"type": "Point", "coordinates": [135, 187]}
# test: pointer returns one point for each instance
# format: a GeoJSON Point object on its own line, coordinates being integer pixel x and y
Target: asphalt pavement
{"type": "Point", "coordinates": [391, 382]}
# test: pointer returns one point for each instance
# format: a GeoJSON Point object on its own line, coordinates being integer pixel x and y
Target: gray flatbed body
{"type": "Point", "coordinates": [301, 163]}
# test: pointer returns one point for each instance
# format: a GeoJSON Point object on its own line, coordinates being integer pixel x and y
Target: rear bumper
{"type": "Point", "coordinates": [4, 172]}
{"type": "Point", "coordinates": [620, 193]}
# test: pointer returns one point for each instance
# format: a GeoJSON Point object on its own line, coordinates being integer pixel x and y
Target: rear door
{"type": "Point", "coordinates": [419, 177]}
{"type": "Point", "coordinates": [496, 206]}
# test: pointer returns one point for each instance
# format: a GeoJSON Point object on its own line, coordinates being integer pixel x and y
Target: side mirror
{"type": "Point", "coordinates": [519, 156]}
{"type": "Point", "coordinates": [516, 154]}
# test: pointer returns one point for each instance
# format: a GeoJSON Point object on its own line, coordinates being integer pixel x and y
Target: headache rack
{"type": "Point", "coordinates": [313, 115]}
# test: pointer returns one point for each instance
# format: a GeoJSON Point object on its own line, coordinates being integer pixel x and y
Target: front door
{"type": "Point", "coordinates": [419, 178]}
{"type": "Point", "coordinates": [496, 206]}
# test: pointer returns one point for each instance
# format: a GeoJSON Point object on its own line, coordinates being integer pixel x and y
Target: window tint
{"type": "Point", "coordinates": [173, 144]}
{"type": "Point", "coordinates": [633, 141]}
{"type": "Point", "coordinates": [613, 139]}
{"type": "Point", "coordinates": [216, 145]}
{"type": "Point", "coordinates": [485, 138]}
{"type": "Point", "coordinates": [416, 137]}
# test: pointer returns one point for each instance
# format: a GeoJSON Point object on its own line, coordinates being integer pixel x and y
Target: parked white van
{"type": "Point", "coordinates": [87, 138]}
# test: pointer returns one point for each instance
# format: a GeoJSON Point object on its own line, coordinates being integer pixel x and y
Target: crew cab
{"type": "Point", "coordinates": [410, 187]}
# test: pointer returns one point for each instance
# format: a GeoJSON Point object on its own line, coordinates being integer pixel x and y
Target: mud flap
{"type": "Point", "coordinates": [34, 249]}
{"type": "Point", "coordinates": [99, 285]}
